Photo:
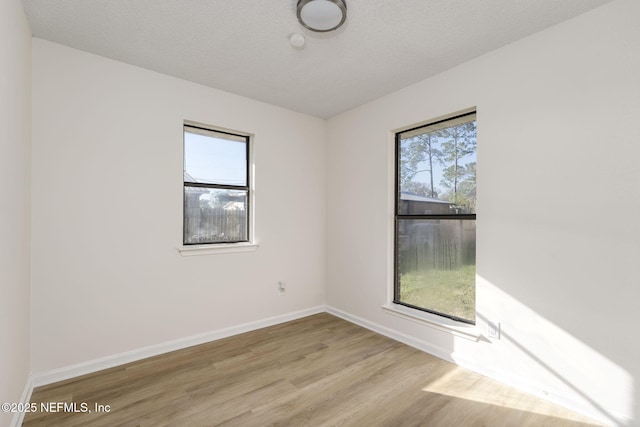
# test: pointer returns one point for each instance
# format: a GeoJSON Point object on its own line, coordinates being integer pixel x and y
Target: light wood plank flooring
{"type": "Point", "coordinates": [316, 371]}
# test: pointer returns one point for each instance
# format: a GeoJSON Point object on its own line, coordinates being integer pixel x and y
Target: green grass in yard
{"type": "Point", "coordinates": [446, 291]}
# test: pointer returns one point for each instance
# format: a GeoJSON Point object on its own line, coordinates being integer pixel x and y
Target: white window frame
{"type": "Point", "coordinates": [220, 247]}
{"type": "Point", "coordinates": [432, 320]}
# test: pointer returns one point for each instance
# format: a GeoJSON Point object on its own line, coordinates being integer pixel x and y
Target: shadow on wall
{"type": "Point", "coordinates": [583, 377]}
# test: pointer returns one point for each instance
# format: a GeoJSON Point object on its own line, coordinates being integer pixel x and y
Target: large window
{"type": "Point", "coordinates": [435, 218]}
{"type": "Point", "coordinates": [216, 186]}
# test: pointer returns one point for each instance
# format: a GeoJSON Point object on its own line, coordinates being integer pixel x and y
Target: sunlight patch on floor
{"type": "Point", "coordinates": [461, 384]}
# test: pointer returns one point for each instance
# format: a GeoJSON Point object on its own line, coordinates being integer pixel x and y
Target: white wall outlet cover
{"type": "Point", "coordinates": [494, 330]}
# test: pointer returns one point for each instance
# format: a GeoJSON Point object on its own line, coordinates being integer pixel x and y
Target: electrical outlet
{"type": "Point", "coordinates": [282, 288]}
{"type": "Point", "coordinates": [494, 330]}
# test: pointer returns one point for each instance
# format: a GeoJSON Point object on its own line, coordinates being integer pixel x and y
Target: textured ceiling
{"type": "Point", "coordinates": [242, 46]}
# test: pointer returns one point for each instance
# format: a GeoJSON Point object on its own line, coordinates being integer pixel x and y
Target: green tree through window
{"type": "Point", "coordinates": [436, 218]}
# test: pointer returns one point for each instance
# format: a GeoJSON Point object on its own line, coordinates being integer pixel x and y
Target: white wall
{"type": "Point", "coordinates": [107, 211]}
{"type": "Point", "coordinates": [15, 110]}
{"type": "Point", "coordinates": [558, 234]}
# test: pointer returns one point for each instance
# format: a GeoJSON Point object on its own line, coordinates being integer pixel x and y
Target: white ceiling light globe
{"type": "Point", "coordinates": [322, 15]}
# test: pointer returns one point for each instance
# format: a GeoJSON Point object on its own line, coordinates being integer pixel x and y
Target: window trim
{"type": "Point", "coordinates": [435, 321]}
{"type": "Point", "coordinates": [396, 306]}
{"type": "Point", "coordinates": [218, 248]}
{"type": "Point", "coordinates": [249, 245]}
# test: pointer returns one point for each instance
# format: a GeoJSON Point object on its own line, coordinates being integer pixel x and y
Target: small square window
{"type": "Point", "coordinates": [216, 186]}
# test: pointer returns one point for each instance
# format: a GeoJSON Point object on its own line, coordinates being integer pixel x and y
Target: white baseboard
{"type": "Point", "coordinates": [569, 402]}
{"type": "Point", "coordinates": [83, 368]}
{"type": "Point", "coordinates": [393, 334]}
{"type": "Point", "coordinates": [18, 417]}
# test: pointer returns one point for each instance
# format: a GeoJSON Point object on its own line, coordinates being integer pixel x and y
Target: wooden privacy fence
{"type": "Point", "coordinates": [205, 224]}
{"type": "Point", "coordinates": [442, 245]}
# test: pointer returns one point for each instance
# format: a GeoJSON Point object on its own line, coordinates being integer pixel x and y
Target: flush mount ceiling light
{"type": "Point", "coordinates": [322, 15]}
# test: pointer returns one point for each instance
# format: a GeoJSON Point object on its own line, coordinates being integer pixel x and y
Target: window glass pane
{"type": "Point", "coordinates": [436, 266]}
{"type": "Point", "coordinates": [214, 158]}
{"type": "Point", "coordinates": [214, 215]}
{"type": "Point", "coordinates": [437, 168]}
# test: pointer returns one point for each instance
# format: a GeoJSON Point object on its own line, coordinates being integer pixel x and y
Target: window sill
{"type": "Point", "coordinates": [458, 329]}
{"type": "Point", "coordinates": [217, 249]}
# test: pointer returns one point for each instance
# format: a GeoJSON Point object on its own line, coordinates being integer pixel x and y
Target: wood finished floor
{"type": "Point", "coordinates": [316, 371]}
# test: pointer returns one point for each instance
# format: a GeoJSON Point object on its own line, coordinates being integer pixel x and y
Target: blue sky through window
{"type": "Point", "coordinates": [215, 160]}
